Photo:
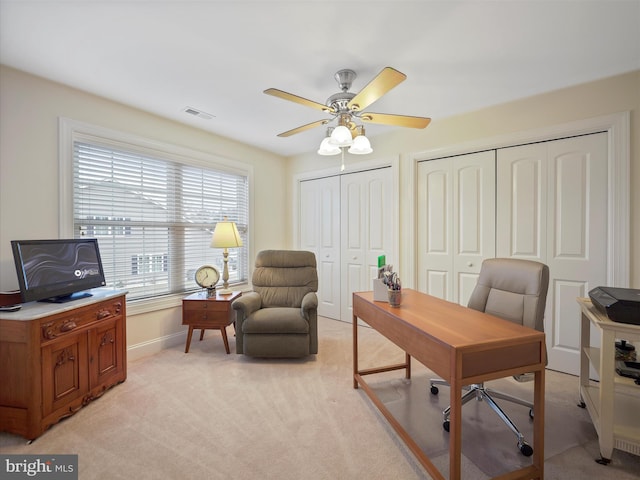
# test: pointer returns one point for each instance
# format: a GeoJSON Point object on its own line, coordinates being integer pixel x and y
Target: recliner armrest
{"type": "Point", "coordinates": [248, 303]}
{"type": "Point", "coordinates": [309, 302]}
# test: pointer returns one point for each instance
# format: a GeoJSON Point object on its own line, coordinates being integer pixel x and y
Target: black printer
{"type": "Point", "coordinates": [619, 304]}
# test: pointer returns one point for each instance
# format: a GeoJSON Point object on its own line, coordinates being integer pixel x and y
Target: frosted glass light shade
{"type": "Point", "coordinates": [361, 146]}
{"type": "Point", "coordinates": [341, 136]}
{"type": "Point", "coordinates": [326, 148]}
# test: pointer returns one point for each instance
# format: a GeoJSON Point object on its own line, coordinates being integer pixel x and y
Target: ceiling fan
{"type": "Point", "coordinates": [347, 106]}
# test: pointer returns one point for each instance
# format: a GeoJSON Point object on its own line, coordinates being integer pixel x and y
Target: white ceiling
{"type": "Point", "coordinates": [219, 56]}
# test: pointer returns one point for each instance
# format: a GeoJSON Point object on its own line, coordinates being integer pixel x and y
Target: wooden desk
{"type": "Point", "coordinates": [461, 345]}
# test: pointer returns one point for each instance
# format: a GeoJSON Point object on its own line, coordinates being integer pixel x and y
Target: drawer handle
{"type": "Point", "coordinates": [103, 314]}
{"type": "Point", "coordinates": [68, 326]}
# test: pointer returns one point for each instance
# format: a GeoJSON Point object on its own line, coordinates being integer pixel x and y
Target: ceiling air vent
{"type": "Point", "coordinates": [198, 113]}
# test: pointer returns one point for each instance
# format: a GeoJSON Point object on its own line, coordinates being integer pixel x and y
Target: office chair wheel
{"type": "Point", "coordinates": [446, 425]}
{"type": "Point", "coordinates": [525, 449]}
{"type": "Point", "coordinates": [434, 390]}
{"type": "Point", "coordinates": [531, 413]}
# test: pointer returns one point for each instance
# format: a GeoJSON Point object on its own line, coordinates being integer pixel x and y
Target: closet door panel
{"type": "Point", "coordinates": [577, 240]}
{"type": "Point", "coordinates": [353, 246]}
{"type": "Point", "coordinates": [456, 223]}
{"type": "Point", "coordinates": [434, 226]}
{"type": "Point", "coordinates": [552, 207]}
{"type": "Point", "coordinates": [368, 206]}
{"type": "Point", "coordinates": [320, 234]}
{"type": "Point", "coordinates": [474, 219]}
{"type": "Point", "coordinates": [521, 202]}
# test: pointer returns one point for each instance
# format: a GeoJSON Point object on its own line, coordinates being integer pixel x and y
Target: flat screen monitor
{"type": "Point", "coordinates": [57, 270]}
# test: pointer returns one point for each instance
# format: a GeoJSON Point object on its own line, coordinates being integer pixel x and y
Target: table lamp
{"type": "Point", "coordinates": [226, 235]}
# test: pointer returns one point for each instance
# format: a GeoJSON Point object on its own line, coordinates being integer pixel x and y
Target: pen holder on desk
{"type": "Point", "coordinates": [379, 290]}
{"type": "Point", "coordinates": [395, 297]}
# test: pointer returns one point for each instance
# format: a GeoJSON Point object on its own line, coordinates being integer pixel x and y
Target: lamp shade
{"type": "Point", "coordinates": [326, 148]}
{"type": "Point", "coordinates": [361, 146]}
{"type": "Point", "coordinates": [341, 136]}
{"type": "Point", "coordinates": [226, 235]}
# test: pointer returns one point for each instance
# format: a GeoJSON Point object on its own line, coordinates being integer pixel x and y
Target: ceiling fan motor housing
{"type": "Point", "coordinates": [340, 101]}
{"type": "Point", "coordinates": [345, 78]}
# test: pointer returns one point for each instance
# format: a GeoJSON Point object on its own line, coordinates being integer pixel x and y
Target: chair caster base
{"type": "Point", "coordinates": [434, 390]}
{"type": "Point", "coordinates": [525, 449]}
{"type": "Point", "coordinates": [446, 425]}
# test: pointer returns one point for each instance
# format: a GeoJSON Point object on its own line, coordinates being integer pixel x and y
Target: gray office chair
{"type": "Point", "coordinates": [515, 290]}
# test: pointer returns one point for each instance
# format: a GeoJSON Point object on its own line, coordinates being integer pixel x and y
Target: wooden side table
{"type": "Point", "coordinates": [203, 312]}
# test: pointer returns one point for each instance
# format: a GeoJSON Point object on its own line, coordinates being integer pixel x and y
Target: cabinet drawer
{"type": "Point", "coordinates": [210, 318]}
{"type": "Point", "coordinates": [202, 315]}
{"type": "Point", "coordinates": [66, 323]}
{"type": "Point", "coordinates": [205, 306]}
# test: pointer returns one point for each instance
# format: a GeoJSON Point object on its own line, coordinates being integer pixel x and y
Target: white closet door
{"type": "Point", "coordinates": [368, 205]}
{"type": "Point", "coordinates": [435, 228]}
{"type": "Point", "coordinates": [474, 197]}
{"type": "Point", "coordinates": [456, 223]}
{"type": "Point", "coordinates": [552, 206]}
{"type": "Point", "coordinates": [320, 233]}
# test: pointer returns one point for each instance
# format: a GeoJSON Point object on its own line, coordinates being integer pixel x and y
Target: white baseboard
{"type": "Point", "coordinates": [151, 347]}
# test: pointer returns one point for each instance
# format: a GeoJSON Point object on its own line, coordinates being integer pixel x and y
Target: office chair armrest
{"type": "Point", "coordinates": [309, 303]}
{"type": "Point", "coordinates": [248, 303]}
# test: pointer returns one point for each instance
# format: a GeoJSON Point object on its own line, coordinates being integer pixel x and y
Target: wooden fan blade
{"type": "Point", "coordinates": [295, 98]}
{"type": "Point", "coordinates": [303, 128]}
{"type": "Point", "coordinates": [381, 84]}
{"type": "Point", "coordinates": [398, 120]}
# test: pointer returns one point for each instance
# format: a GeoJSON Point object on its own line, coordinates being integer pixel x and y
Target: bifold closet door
{"type": "Point", "coordinates": [368, 204]}
{"type": "Point", "coordinates": [456, 223]}
{"type": "Point", "coordinates": [552, 207]}
{"type": "Point", "coordinates": [320, 233]}
{"type": "Point", "coordinates": [347, 221]}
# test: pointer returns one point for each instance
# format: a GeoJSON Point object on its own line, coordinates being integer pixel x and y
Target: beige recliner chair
{"type": "Point", "coordinates": [515, 290]}
{"type": "Point", "coordinates": [279, 318]}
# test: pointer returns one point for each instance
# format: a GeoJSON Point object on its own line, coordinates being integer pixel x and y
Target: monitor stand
{"type": "Point", "coordinates": [67, 298]}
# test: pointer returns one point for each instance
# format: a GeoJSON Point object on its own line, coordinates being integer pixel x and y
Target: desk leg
{"type": "Point", "coordinates": [186, 348]}
{"type": "Point", "coordinates": [355, 351]}
{"type": "Point", "coordinates": [455, 427]}
{"type": "Point", "coordinates": [538, 422]}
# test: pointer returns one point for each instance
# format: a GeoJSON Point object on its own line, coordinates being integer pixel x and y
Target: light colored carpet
{"type": "Point", "coordinates": [210, 415]}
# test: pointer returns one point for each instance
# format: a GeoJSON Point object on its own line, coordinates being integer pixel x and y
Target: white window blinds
{"type": "Point", "coordinates": [154, 218]}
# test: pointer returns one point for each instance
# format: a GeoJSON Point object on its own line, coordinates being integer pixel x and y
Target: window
{"type": "Point", "coordinates": [153, 214]}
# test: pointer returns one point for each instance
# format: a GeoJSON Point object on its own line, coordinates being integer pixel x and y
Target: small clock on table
{"type": "Point", "coordinates": [207, 276]}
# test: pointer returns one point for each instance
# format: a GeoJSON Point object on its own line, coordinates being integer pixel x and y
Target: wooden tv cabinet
{"type": "Point", "coordinates": [56, 358]}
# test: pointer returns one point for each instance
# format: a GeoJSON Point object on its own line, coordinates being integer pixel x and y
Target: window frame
{"type": "Point", "coordinates": [71, 131]}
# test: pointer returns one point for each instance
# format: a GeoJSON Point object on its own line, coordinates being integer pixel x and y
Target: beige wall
{"type": "Point", "coordinates": [608, 96]}
{"type": "Point", "coordinates": [29, 112]}
{"type": "Point", "coordinates": [30, 107]}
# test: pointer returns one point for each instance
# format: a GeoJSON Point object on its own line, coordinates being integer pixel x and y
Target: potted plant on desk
{"type": "Point", "coordinates": [394, 288]}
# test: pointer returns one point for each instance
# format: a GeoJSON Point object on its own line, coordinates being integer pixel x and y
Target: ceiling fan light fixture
{"type": "Point", "coordinates": [341, 137]}
{"type": "Point", "coordinates": [326, 148]}
{"type": "Point", "coordinates": [361, 146]}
